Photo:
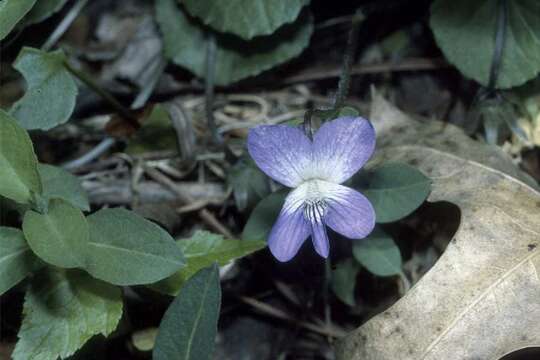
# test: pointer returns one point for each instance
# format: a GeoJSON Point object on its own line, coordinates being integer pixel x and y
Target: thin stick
{"type": "Point", "coordinates": [105, 95]}
{"type": "Point", "coordinates": [204, 214]}
{"type": "Point", "coordinates": [279, 314]}
{"type": "Point", "coordinates": [64, 25]}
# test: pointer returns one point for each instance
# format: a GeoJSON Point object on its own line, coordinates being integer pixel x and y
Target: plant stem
{"type": "Point", "coordinates": [500, 39]}
{"type": "Point", "coordinates": [348, 60]}
{"type": "Point", "coordinates": [209, 87]}
{"type": "Point", "coordinates": [344, 79]}
{"type": "Point", "coordinates": [88, 81]}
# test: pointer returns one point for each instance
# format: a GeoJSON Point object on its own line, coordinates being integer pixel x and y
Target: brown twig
{"type": "Point", "coordinates": [204, 214]}
{"type": "Point", "coordinates": [280, 314]}
{"type": "Point", "coordinates": [413, 64]}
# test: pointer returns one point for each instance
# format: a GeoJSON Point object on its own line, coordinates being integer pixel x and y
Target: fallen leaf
{"type": "Point", "coordinates": [481, 300]}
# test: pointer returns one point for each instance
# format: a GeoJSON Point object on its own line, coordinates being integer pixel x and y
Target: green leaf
{"type": "Point", "coordinates": [202, 250]}
{"type": "Point", "coordinates": [395, 190]}
{"type": "Point", "coordinates": [264, 216]}
{"type": "Point", "coordinates": [60, 236]}
{"type": "Point", "coordinates": [50, 97]}
{"type": "Point", "coordinates": [378, 253]}
{"type": "Point", "coordinates": [11, 12]}
{"type": "Point", "coordinates": [16, 258]}
{"type": "Point", "coordinates": [245, 18]}
{"type": "Point", "coordinates": [465, 31]}
{"type": "Point", "coordinates": [186, 43]}
{"type": "Point", "coordinates": [42, 10]}
{"type": "Point", "coordinates": [126, 249]}
{"type": "Point", "coordinates": [60, 184]}
{"type": "Point", "coordinates": [249, 184]}
{"type": "Point", "coordinates": [18, 162]}
{"type": "Point", "coordinates": [343, 281]}
{"type": "Point", "coordinates": [189, 327]}
{"type": "Point", "coordinates": [63, 310]}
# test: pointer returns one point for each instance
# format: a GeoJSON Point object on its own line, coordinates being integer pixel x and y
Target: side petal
{"type": "Point", "coordinates": [349, 212]}
{"type": "Point", "coordinates": [341, 147]}
{"type": "Point", "coordinates": [282, 152]}
{"type": "Point", "coordinates": [319, 236]}
{"type": "Point", "coordinates": [290, 230]}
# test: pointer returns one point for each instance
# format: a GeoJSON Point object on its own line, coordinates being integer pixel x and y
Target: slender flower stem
{"type": "Point", "coordinates": [105, 95]}
{"type": "Point", "coordinates": [344, 79]}
{"type": "Point", "coordinates": [348, 60]}
{"type": "Point", "coordinates": [209, 87]}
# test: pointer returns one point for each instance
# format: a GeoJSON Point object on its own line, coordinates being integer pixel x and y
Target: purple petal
{"type": "Point", "coordinates": [319, 236]}
{"type": "Point", "coordinates": [282, 152]}
{"type": "Point", "coordinates": [342, 146]}
{"type": "Point", "coordinates": [349, 213]}
{"type": "Point", "coordinates": [290, 230]}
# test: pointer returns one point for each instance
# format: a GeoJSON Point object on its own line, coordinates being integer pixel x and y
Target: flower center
{"type": "Point", "coordinates": [315, 205]}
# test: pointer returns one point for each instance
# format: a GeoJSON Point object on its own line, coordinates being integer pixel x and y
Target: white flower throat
{"type": "Point", "coordinates": [313, 194]}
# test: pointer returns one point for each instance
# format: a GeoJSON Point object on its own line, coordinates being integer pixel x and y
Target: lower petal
{"type": "Point", "coordinates": [349, 213]}
{"type": "Point", "coordinates": [320, 239]}
{"type": "Point", "coordinates": [289, 232]}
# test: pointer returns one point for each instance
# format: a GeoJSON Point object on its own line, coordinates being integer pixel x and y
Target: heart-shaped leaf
{"type": "Point", "coordinates": [189, 327]}
{"type": "Point", "coordinates": [378, 253]}
{"type": "Point", "coordinates": [60, 236]}
{"type": "Point", "coordinates": [126, 249]}
{"type": "Point", "coordinates": [486, 282]}
{"type": "Point", "coordinates": [62, 311]}
{"type": "Point", "coordinates": [50, 97]}
{"type": "Point", "coordinates": [466, 33]}
{"type": "Point", "coordinates": [18, 163]}
{"type": "Point", "coordinates": [16, 258]}
{"type": "Point", "coordinates": [186, 42]}
{"type": "Point", "coordinates": [245, 18]}
{"type": "Point", "coordinates": [395, 190]}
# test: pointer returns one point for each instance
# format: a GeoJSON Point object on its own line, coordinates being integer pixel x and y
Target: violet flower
{"type": "Point", "coordinates": [315, 169]}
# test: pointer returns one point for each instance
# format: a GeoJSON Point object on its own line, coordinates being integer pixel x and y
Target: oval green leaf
{"type": "Point", "coordinates": [60, 236]}
{"type": "Point", "coordinates": [11, 12]}
{"type": "Point", "coordinates": [189, 327]}
{"type": "Point", "coordinates": [245, 18]}
{"type": "Point", "coordinates": [395, 190]}
{"type": "Point", "coordinates": [16, 258]}
{"type": "Point", "coordinates": [50, 97]}
{"type": "Point", "coordinates": [60, 184]}
{"type": "Point", "coordinates": [202, 250]}
{"type": "Point", "coordinates": [18, 163]}
{"type": "Point", "coordinates": [378, 253]}
{"type": "Point", "coordinates": [126, 249]}
{"type": "Point", "coordinates": [466, 31]}
{"type": "Point", "coordinates": [186, 41]}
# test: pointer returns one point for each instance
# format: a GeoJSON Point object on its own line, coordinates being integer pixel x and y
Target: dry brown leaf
{"type": "Point", "coordinates": [481, 300]}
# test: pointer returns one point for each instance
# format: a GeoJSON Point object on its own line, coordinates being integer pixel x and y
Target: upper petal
{"type": "Point", "coordinates": [290, 230]}
{"type": "Point", "coordinates": [349, 212]}
{"type": "Point", "coordinates": [341, 147]}
{"type": "Point", "coordinates": [282, 152]}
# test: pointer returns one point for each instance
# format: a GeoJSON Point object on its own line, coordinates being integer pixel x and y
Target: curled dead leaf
{"type": "Point", "coordinates": [481, 300]}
